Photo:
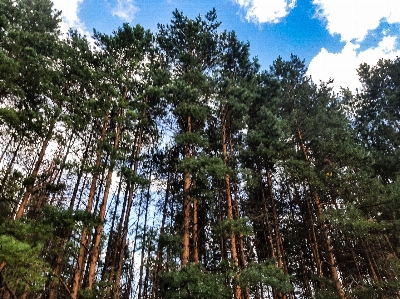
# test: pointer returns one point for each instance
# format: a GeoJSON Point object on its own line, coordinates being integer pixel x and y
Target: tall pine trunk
{"type": "Point", "coordinates": [76, 280]}
{"type": "Point", "coordinates": [120, 261]}
{"type": "Point", "coordinates": [95, 252]}
{"type": "Point", "coordinates": [324, 229]}
{"type": "Point", "coordinates": [186, 204]}
{"type": "Point", "coordinates": [229, 209]}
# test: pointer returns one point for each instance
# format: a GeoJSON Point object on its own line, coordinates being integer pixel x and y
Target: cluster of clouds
{"type": "Point", "coordinates": [352, 20]}
{"type": "Point", "coordinates": [124, 9]}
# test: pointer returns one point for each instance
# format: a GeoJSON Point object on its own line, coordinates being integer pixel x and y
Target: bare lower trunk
{"type": "Point", "coordinates": [229, 206]}
{"type": "Point", "coordinates": [94, 254]}
{"type": "Point", "coordinates": [126, 217]}
{"type": "Point", "coordinates": [186, 205]}
{"type": "Point", "coordinates": [324, 229]}
{"type": "Point", "coordinates": [144, 241]}
{"type": "Point", "coordinates": [195, 229]}
{"type": "Point", "coordinates": [157, 267]}
{"type": "Point", "coordinates": [76, 280]}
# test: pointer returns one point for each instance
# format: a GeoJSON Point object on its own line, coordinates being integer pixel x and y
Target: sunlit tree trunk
{"type": "Point", "coordinates": [186, 204]}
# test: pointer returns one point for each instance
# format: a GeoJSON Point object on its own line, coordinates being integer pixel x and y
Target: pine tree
{"type": "Point", "coordinates": [191, 49]}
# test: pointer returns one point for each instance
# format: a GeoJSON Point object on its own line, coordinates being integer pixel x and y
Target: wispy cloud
{"type": "Point", "coordinates": [266, 11]}
{"type": "Point", "coordinates": [125, 10]}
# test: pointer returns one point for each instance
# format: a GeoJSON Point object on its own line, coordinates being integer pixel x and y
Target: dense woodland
{"type": "Point", "coordinates": [168, 165]}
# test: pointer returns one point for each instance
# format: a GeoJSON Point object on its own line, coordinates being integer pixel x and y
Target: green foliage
{"type": "Point", "coordinates": [191, 138]}
{"type": "Point", "coordinates": [193, 282]}
{"type": "Point", "coordinates": [377, 115]}
{"type": "Point", "coordinates": [25, 270]}
{"type": "Point", "coordinates": [267, 274]}
{"type": "Point", "coordinates": [132, 178]}
{"type": "Point", "coordinates": [64, 220]}
{"type": "Point", "coordinates": [237, 226]}
{"type": "Point", "coordinates": [10, 189]}
{"type": "Point", "coordinates": [203, 167]}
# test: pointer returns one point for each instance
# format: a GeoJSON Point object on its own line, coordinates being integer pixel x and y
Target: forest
{"type": "Point", "coordinates": [169, 165]}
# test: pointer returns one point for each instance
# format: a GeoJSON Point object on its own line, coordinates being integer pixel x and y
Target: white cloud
{"type": "Point", "coordinates": [125, 10]}
{"type": "Point", "coordinates": [342, 67]}
{"type": "Point", "coordinates": [69, 14]}
{"type": "Point", "coordinates": [353, 18]}
{"type": "Point", "coordinates": [266, 11]}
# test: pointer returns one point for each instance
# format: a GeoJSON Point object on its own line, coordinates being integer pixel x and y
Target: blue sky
{"type": "Point", "coordinates": [332, 36]}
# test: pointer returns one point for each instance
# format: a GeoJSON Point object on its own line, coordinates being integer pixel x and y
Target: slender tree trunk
{"type": "Point", "coordinates": [195, 228]}
{"type": "Point", "coordinates": [62, 167]}
{"type": "Point", "coordinates": [147, 273]}
{"type": "Point", "coordinates": [127, 215]}
{"type": "Point", "coordinates": [241, 238]}
{"type": "Point", "coordinates": [131, 274]}
{"type": "Point", "coordinates": [224, 253]}
{"type": "Point", "coordinates": [242, 257]}
{"type": "Point", "coordinates": [112, 245]}
{"type": "Point", "coordinates": [370, 262]}
{"type": "Point", "coordinates": [10, 165]}
{"type": "Point", "coordinates": [237, 289]}
{"type": "Point", "coordinates": [267, 221]}
{"type": "Point", "coordinates": [157, 267]}
{"type": "Point", "coordinates": [391, 246]}
{"type": "Point", "coordinates": [80, 173]}
{"type": "Point", "coordinates": [76, 280]}
{"type": "Point", "coordinates": [324, 229]}
{"type": "Point", "coordinates": [278, 239]}
{"type": "Point", "coordinates": [144, 239]}
{"type": "Point", "coordinates": [94, 254]}
{"type": "Point", "coordinates": [186, 205]}
{"type": "Point", "coordinates": [116, 247]}
{"type": "Point", "coordinates": [328, 248]}
{"type": "Point", "coordinates": [6, 148]}
{"type": "Point", "coordinates": [35, 171]}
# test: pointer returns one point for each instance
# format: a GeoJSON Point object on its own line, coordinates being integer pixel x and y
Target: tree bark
{"type": "Point", "coordinates": [229, 206]}
{"type": "Point", "coordinates": [94, 254]}
{"type": "Point", "coordinates": [324, 230]}
{"type": "Point", "coordinates": [186, 205]}
{"type": "Point", "coordinates": [35, 171]}
{"type": "Point", "coordinates": [127, 215]}
{"type": "Point", "coordinates": [76, 280]}
{"type": "Point", "coordinates": [144, 238]}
